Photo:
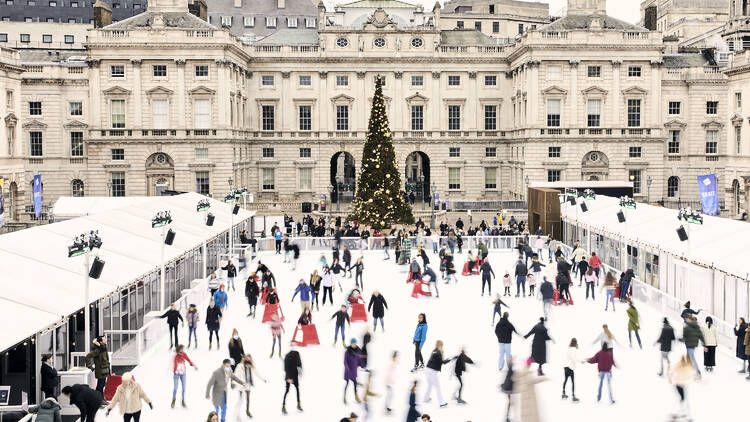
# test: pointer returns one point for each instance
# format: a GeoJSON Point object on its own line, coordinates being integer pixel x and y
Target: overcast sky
{"type": "Point", "coordinates": [627, 10]}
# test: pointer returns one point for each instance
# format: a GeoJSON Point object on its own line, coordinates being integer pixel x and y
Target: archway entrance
{"type": "Point", "coordinates": [159, 173]}
{"type": "Point", "coordinates": [595, 166]}
{"type": "Point", "coordinates": [736, 197]}
{"type": "Point", "coordinates": [417, 177]}
{"type": "Point", "coordinates": [12, 208]}
{"type": "Point", "coordinates": [343, 177]}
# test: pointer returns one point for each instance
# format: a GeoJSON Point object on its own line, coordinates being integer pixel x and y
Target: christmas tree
{"type": "Point", "coordinates": [380, 202]}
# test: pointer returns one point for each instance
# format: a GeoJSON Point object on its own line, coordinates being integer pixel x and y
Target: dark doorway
{"type": "Point", "coordinates": [417, 178]}
{"type": "Point", "coordinates": [343, 177]}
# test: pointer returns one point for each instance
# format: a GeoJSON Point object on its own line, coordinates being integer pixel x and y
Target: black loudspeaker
{"type": "Point", "coordinates": [620, 216]}
{"type": "Point", "coordinates": [307, 207]}
{"type": "Point", "coordinates": [584, 208]}
{"type": "Point", "coordinates": [236, 209]}
{"type": "Point", "coordinates": [96, 268]}
{"type": "Point", "coordinates": [210, 219]}
{"type": "Point", "coordinates": [682, 234]}
{"type": "Point", "coordinates": [572, 201]}
{"type": "Point", "coordinates": [169, 238]}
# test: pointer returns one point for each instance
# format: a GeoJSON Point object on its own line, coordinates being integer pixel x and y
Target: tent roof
{"type": "Point", "coordinates": [718, 243]}
{"type": "Point", "coordinates": [40, 278]}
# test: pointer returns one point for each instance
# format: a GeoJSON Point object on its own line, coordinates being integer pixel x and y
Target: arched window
{"type": "Point", "coordinates": [736, 196]}
{"type": "Point", "coordinates": [673, 186]}
{"type": "Point", "coordinates": [77, 187]}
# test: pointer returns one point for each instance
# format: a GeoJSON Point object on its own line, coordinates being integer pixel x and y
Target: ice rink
{"type": "Point", "coordinates": [460, 317]}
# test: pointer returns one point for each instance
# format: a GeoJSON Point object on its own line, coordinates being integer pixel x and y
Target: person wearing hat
{"type": "Point", "coordinates": [352, 362]}
{"type": "Point", "coordinates": [98, 361]}
{"type": "Point", "coordinates": [687, 311]}
{"type": "Point", "coordinates": [129, 396]}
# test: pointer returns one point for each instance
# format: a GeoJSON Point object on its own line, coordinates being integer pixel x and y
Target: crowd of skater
{"type": "Point", "coordinates": [543, 272]}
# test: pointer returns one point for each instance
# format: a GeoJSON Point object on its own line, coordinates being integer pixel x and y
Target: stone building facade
{"type": "Point", "coordinates": [166, 101]}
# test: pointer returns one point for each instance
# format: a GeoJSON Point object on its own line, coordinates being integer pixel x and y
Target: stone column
{"type": "Point", "coordinates": [399, 116]}
{"type": "Point", "coordinates": [95, 94]}
{"type": "Point", "coordinates": [137, 97]}
{"type": "Point", "coordinates": [573, 97]}
{"type": "Point", "coordinates": [532, 114]}
{"type": "Point", "coordinates": [615, 103]}
{"type": "Point", "coordinates": [285, 112]}
{"type": "Point", "coordinates": [324, 103]}
{"type": "Point", "coordinates": [471, 107]}
{"type": "Point", "coordinates": [180, 94]}
{"type": "Point", "coordinates": [654, 111]}
{"type": "Point", "coordinates": [437, 103]}
{"type": "Point", "coordinates": [222, 97]}
{"type": "Point", "coordinates": [360, 90]}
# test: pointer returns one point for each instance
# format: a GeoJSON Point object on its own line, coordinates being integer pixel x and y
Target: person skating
{"type": "Point", "coordinates": [520, 273]}
{"type": "Point", "coordinates": [231, 274]}
{"type": "Point", "coordinates": [590, 278]}
{"type": "Point", "coordinates": [292, 369]}
{"type": "Point", "coordinates": [236, 351]}
{"type": "Point", "coordinates": [609, 286]}
{"type": "Point", "coordinates": [497, 307]}
{"type": "Point", "coordinates": [536, 267]}
{"type": "Point", "coordinates": [563, 284]}
{"type": "Point", "coordinates": [217, 389]}
{"type": "Point", "coordinates": [634, 324]}
{"type": "Point", "coordinates": [487, 275]}
{"type": "Point", "coordinates": [377, 306]}
{"type": "Point", "coordinates": [50, 377]}
{"type": "Point", "coordinates": [98, 361]}
{"type": "Point", "coordinates": [352, 363]}
{"type": "Point", "coordinates": [531, 281]}
{"type": "Point", "coordinates": [359, 268]}
{"type": "Point", "coordinates": [434, 366]}
{"type": "Point", "coordinates": [130, 397]}
{"type": "Point", "coordinates": [508, 386]}
{"type": "Point", "coordinates": [179, 371]}
{"type": "Point", "coordinates": [277, 328]}
{"type": "Point", "coordinates": [431, 278]}
{"type": "Point", "coordinates": [572, 357]}
{"type": "Point", "coordinates": [504, 332]}
{"type": "Point", "coordinates": [626, 280]}
{"type": "Point", "coordinates": [665, 340]}
{"type": "Point", "coordinates": [413, 414]}
{"type": "Point", "coordinates": [548, 294]}
{"type": "Point", "coordinates": [213, 284]}
{"type": "Point", "coordinates": [193, 318]}
{"type": "Point", "coordinates": [327, 283]}
{"type": "Point", "coordinates": [174, 318]}
{"type": "Point", "coordinates": [346, 256]}
{"type": "Point", "coordinates": [220, 298]}
{"type": "Point", "coordinates": [739, 332]}
{"type": "Point", "coordinates": [252, 291]}
{"type": "Point", "coordinates": [687, 311]}
{"type": "Point", "coordinates": [746, 343]}
{"type": "Point", "coordinates": [315, 283]}
{"type": "Point", "coordinates": [213, 323]}
{"type": "Point", "coordinates": [87, 400]}
{"type": "Point", "coordinates": [691, 336]}
{"type": "Point", "coordinates": [539, 344]}
{"type": "Point", "coordinates": [595, 264]}
{"type": "Point", "coordinates": [606, 338]}
{"type": "Point", "coordinates": [506, 284]}
{"type": "Point", "coordinates": [342, 318]}
{"type": "Point", "coordinates": [245, 371]}
{"type": "Point", "coordinates": [709, 351]}
{"type": "Point", "coordinates": [450, 268]}
{"type": "Point", "coordinates": [681, 375]}
{"type": "Point", "coordinates": [583, 267]}
{"type": "Point", "coordinates": [458, 370]}
{"type": "Point", "coordinates": [305, 294]}
{"type": "Point", "coordinates": [47, 411]}
{"type": "Point", "coordinates": [604, 360]}
{"type": "Point", "coordinates": [415, 271]}
{"type": "Point", "coordinates": [390, 381]}
{"type": "Point", "coordinates": [419, 338]}
{"type": "Point", "coordinates": [386, 248]}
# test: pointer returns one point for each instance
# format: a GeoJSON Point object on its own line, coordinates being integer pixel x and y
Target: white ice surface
{"type": "Point", "coordinates": [459, 317]}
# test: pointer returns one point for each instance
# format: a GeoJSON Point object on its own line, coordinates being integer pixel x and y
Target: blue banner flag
{"type": "Point", "coordinates": [37, 195]}
{"type": "Point", "coordinates": [709, 193]}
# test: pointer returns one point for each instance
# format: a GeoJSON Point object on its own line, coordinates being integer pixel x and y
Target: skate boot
{"type": "Point", "coordinates": [172, 405]}
{"type": "Point", "coordinates": [299, 407]}
{"type": "Point", "coordinates": [184, 404]}
{"type": "Point", "coordinates": [283, 410]}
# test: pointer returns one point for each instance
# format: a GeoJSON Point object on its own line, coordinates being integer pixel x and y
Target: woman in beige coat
{"type": "Point", "coordinates": [129, 396]}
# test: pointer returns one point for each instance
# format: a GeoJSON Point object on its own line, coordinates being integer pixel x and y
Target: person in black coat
{"type": "Point", "coordinates": [461, 360]}
{"type": "Point", "coordinates": [50, 378]}
{"type": "Point", "coordinates": [87, 400]}
{"type": "Point", "coordinates": [252, 291]}
{"type": "Point", "coordinates": [213, 323]}
{"type": "Point", "coordinates": [377, 306]}
{"type": "Point", "coordinates": [174, 318]}
{"type": "Point", "coordinates": [666, 338]}
{"type": "Point", "coordinates": [521, 272]}
{"type": "Point", "coordinates": [413, 414]}
{"type": "Point", "coordinates": [486, 271]}
{"type": "Point", "coordinates": [739, 331]}
{"type": "Point", "coordinates": [292, 367]}
{"type": "Point", "coordinates": [539, 344]}
{"type": "Point", "coordinates": [236, 350]}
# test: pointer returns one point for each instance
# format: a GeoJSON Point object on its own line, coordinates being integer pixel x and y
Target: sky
{"type": "Point", "coordinates": [627, 10]}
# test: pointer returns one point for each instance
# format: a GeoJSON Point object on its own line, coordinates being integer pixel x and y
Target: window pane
{"type": "Point", "coordinates": [202, 114]}
{"type": "Point", "coordinates": [305, 117]}
{"type": "Point", "coordinates": [267, 178]}
{"type": "Point", "coordinates": [202, 182]}
{"type": "Point", "coordinates": [490, 117]}
{"type": "Point", "coordinates": [342, 117]}
{"type": "Point", "coordinates": [454, 178]}
{"type": "Point", "coordinates": [417, 117]}
{"type": "Point", "coordinates": [490, 178]}
{"type": "Point", "coordinates": [305, 179]}
{"type": "Point", "coordinates": [160, 110]}
{"type": "Point", "coordinates": [76, 144]}
{"type": "Point", "coordinates": [118, 113]}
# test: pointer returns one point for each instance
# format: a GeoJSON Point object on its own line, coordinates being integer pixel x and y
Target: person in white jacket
{"type": "Point", "coordinates": [572, 358]}
{"type": "Point", "coordinates": [390, 381]}
{"type": "Point", "coordinates": [327, 283]}
{"type": "Point", "coordinates": [709, 340]}
{"type": "Point", "coordinates": [245, 371]}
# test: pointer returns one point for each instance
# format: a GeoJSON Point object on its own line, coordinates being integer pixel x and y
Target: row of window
{"type": "Point", "coordinates": [495, 26]}
{"type": "Point", "coordinates": [46, 38]}
{"type": "Point", "coordinates": [712, 107]}
{"type": "Point", "coordinates": [270, 21]}
{"type": "Point", "coordinates": [593, 112]}
{"type": "Point", "coordinates": [343, 80]}
{"type": "Point", "coordinates": [72, 4]}
{"type": "Point", "coordinates": [75, 108]}
{"type": "Point", "coordinates": [157, 70]}
{"type": "Point", "coordinates": [29, 19]}
{"type": "Point", "coordinates": [554, 72]}
{"type": "Point", "coordinates": [160, 113]}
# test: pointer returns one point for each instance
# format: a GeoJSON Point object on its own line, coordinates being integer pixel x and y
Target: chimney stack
{"type": "Point", "coordinates": [102, 14]}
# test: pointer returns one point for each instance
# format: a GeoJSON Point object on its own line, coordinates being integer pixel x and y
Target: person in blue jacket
{"type": "Point", "coordinates": [220, 298]}
{"type": "Point", "coordinates": [306, 294]}
{"type": "Point", "coordinates": [420, 336]}
{"type": "Point", "coordinates": [277, 236]}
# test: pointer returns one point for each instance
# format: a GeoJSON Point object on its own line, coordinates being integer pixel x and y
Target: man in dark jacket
{"type": "Point", "coordinates": [98, 361]}
{"type": "Point", "coordinates": [461, 360]}
{"type": "Point", "coordinates": [504, 331]}
{"type": "Point", "coordinates": [231, 274]}
{"type": "Point", "coordinates": [341, 317]}
{"type": "Point", "coordinates": [252, 291]}
{"type": "Point", "coordinates": [691, 336]}
{"type": "Point", "coordinates": [548, 293]}
{"type": "Point", "coordinates": [85, 399]}
{"type": "Point", "coordinates": [666, 338]}
{"type": "Point", "coordinates": [486, 271]}
{"type": "Point", "coordinates": [173, 319]}
{"type": "Point", "coordinates": [377, 305]}
{"type": "Point", "coordinates": [292, 368]}
{"type": "Point", "coordinates": [521, 273]}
